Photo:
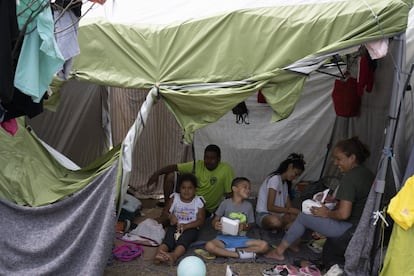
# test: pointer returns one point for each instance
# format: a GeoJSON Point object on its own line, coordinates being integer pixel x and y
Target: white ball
{"type": "Point", "coordinates": [191, 266]}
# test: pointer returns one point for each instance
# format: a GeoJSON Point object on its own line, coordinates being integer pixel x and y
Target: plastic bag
{"type": "Point", "coordinates": [149, 230]}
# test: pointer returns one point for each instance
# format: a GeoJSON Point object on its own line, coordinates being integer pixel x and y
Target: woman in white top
{"type": "Point", "coordinates": [274, 209]}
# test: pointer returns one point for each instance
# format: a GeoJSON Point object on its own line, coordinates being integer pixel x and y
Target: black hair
{"type": "Point", "coordinates": [354, 146]}
{"type": "Point", "coordinates": [187, 177]}
{"type": "Point", "coordinates": [296, 159]}
{"type": "Point", "coordinates": [236, 181]}
{"type": "Point", "coordinates": [213, 148]}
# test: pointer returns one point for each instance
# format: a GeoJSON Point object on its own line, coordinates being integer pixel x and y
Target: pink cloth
{"type": "Point", "coordinates": [10, 126]}
{"type": "Point", "coordinates": [378, 48]}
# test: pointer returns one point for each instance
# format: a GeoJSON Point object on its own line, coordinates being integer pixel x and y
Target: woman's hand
{"type": "Point", "coordinates": [320, 211]}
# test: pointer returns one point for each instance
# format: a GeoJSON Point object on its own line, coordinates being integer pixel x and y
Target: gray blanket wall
{"type": "Point", "coordinates": [71, 237]}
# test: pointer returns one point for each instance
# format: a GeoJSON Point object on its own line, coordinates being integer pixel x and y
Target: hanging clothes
{"type": "Point", "coordinates": [74, 6]}
{"type": "Point", "coordinates": [347, 101]}
{"type": "Point", "coordinates": [378, 48]}
{"type": "Point", "coordinates": [66, 34]}
{"type": "Point", "coordinates": [400, 254]}
{"type": "Point", "coordinates": [20, 105]}
{"type": "Point", "coordinates": [401, 207]}
{"type": "Point", "coordinates": [366, 74]}
{"type": "Point", "coordinates": [399, 257]}
{"type": "Point", "coordinates": [8, 34]}
{"type": "Point", "coordinates": [40, 57]}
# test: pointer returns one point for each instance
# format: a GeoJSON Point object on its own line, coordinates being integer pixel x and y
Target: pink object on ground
{"type": "Point", "coordinates": [127, 252]}
{"type": "Point", "coordinates": [310, 270]}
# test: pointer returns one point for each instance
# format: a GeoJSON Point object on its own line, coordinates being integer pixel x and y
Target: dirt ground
{"type": "Point", "coordinates": [137, 268]}
{"type": "Point", "coordinates": [144, 264]}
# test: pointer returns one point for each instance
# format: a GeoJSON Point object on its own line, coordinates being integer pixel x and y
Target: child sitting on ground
{"type": "Point", "coordinates": [187, 214]}
{"type": "Point", "coordinates": [238, 207]}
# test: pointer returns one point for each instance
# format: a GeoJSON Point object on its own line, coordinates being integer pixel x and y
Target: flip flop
{"type": "Point", "coordinates": [205, 254]}
{"type": "Point", "coordinates": [316, 245]}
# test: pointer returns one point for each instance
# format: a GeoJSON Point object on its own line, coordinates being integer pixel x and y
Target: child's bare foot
{"type": "Point", "coordinates": [274, 255]}
{"type": "Point", "coordinates": [161, 257]}
{"type": "Point", "coordinates": [158, 258]}
{"type": "Point", "coordinates": [170, 258]}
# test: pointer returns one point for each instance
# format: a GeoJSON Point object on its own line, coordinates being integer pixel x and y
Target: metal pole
{"type": "Point", "coordinates": [392, 120]}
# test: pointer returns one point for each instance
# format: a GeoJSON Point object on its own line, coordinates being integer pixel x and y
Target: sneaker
{"type": "Point", "coordinates": [284, 270]}
{"type": "Point", "coordinates": [274, 272]}
{"type": "Point", "coordinates": [230, 272]}
{"type": "Point", "coordinates": [335, 270]}
{"type": "Point", "coordinates": [246, 255]}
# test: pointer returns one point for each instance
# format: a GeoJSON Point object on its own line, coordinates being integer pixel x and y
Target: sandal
{"type": "Point", "coordinates": [205, 254]}
{"type": "Point", "coordinates": [285, 270]}
{"type": "Point", "coordinates": [316, 245]}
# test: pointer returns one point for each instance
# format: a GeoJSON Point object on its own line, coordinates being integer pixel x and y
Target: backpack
{"type": "Point", "coordinates": [241, 113]}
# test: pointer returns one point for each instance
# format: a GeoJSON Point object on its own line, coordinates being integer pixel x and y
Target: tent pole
{"type": "Point", "coordinates": [365, 243]}
{"type": "Point", "coordinates": [130, 140]}
{"type": "Point", "coordinates": [392, 120]}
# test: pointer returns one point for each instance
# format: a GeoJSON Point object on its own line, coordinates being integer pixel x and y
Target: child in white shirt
{"type": "Point", "coordinates": [187, 214]}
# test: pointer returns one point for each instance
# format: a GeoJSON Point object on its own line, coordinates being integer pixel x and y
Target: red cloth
{"type": "Point", "coordinates": [10, 126]}
{"type": "Point", "coordinates": [366, 75]}
{"type": "Point", "coordinates": [260, 97]}
{"type": "Point", "coordinates": [346, 99]}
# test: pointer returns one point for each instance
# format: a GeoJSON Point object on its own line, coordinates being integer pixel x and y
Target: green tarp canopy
{"type": "Point", "coordinates": [237, 47]}
{"type": "Point", "coordinates": [31, 176]}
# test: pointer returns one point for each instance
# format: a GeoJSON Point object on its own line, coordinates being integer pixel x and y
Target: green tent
{"type": "Point", "coordinates": [218, 55]}
{"type": "Point", "coordinates": [202, 58]}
